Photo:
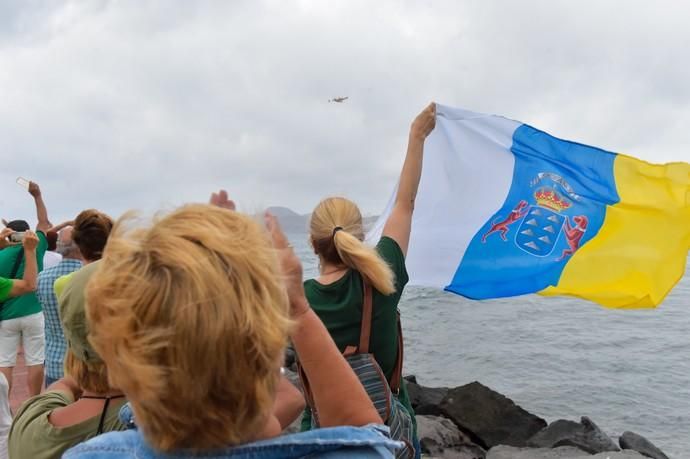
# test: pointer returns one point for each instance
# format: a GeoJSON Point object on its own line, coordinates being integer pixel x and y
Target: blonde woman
{"type": "Point", "coordinates": [191, 316]}
{"type": "Point", "coordinates": [337, 237]}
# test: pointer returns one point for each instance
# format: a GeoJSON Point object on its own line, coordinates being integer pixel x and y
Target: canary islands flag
{"type": "Point", "coordinates": [505, 209]}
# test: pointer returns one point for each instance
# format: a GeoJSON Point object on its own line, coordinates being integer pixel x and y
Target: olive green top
{"type": "Point", "coordinates": [339, 306]}
{"type": "Point", "coordinates": [33, 436]}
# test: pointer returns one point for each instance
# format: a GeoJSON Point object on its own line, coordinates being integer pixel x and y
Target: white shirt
{"type": "Point", "coordinates": [51, 259]}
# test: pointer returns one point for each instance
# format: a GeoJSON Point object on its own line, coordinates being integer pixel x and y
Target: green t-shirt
{"type": "Point", "coordinates": [32, 435]}
{"type": "Point", "coordinates": [24, 305]}
{"type": "Point", "coordinates": [5, 288]}
{"type": "Point", "coordinates": [339, 306]}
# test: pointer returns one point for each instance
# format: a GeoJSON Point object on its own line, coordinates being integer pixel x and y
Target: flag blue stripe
{"type": "Point", "coordinates": [575, 183]}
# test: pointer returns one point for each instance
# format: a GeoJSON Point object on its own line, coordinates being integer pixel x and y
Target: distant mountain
{"type": "Point", "coordinates": [292, 222]}
{"type": "Point", "coordinates": [283, 212]}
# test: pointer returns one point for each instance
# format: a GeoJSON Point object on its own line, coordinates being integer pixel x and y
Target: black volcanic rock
{"type": "Point", "coordinates": [585, 435]}
{"type": "Point", "coordinates": [488, 417]}
{"type": "Point", "coordinates": [426, 400]}
{"type": "Point", "coordinates": [631, 440]}
{"type": "Point", "coordinates": [441, 438]}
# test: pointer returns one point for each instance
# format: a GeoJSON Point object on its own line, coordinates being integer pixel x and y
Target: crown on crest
{"type": "Point", "coordinates": [551, 200]}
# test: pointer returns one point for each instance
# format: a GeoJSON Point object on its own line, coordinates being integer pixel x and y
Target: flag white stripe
{"type": "Point", "coordinates": [467, 173]}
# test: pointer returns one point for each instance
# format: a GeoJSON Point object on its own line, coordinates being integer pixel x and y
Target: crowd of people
{"type": "Point", "coordinates": [168, 340]}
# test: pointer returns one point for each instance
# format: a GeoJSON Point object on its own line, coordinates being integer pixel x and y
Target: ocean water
{"type": "Point", "coordinates": [559, 358]}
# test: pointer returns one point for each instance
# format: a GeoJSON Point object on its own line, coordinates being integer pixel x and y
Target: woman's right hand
{"type": "Point", "coordinates": [424, 123]}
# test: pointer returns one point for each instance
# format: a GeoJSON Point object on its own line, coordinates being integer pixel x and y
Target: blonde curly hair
{"type": "Point", "coordinates": [191, 317]}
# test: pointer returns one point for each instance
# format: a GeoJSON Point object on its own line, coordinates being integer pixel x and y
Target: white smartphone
{"type": "Point", "coordinates": [21, 181]}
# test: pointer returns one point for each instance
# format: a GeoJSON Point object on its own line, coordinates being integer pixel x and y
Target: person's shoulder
{"type": "Point", "coordinates": [61, 282]}
{"type": "Point", "coordinates": [50, 399]}
{"type": "Point", "coordinates": [111, 445]}
{"type": "Point", "coordinates": [50, 273]}
{"type": "Point", "coordinates": [42, 239]}
{"type": "Point", "coordinates": [389, 249]}
{"type": "Point", "coordinates": [35, 408]}
{"type": "Point", "coordinates": [388, 245]}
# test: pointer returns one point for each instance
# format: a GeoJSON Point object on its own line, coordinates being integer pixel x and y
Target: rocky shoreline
{"type": "Point", "coordinates": [475, 422]}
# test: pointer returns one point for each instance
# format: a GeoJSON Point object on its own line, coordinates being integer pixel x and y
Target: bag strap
{"type": "Point", "coordinates": [308, 395]}
{"type": "Point", "coordinates": [396, 377]}
{"type": "Point", "coordinates": [367, 310]}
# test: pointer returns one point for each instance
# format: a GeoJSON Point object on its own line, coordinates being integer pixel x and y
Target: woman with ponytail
{"type": "Point", "coordinates": [346, 263]}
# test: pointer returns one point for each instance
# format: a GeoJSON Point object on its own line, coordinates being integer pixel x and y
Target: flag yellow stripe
{"type": "Point", "coordinates": [640, 251]}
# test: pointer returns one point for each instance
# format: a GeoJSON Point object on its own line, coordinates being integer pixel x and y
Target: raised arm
{"type": "Point", "coordinates": [339, 396]}
{"type": "Point", "coordinates": [399, 222]}
{"type": "Point", "coordinates": [44, 224]}
{"type": "Point", "coordinates": [28, 282]}
{"type": "Point", "coordinates": [61, 226]}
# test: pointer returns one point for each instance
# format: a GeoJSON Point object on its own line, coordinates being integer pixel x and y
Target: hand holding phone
{"type": "Point", "coordinates": [24, 183]}
{"type": "Point", "coordinates": [17, 236]}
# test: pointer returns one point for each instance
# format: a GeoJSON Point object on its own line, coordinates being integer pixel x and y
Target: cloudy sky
{"type": "Point", "coordinates": [148, 104]}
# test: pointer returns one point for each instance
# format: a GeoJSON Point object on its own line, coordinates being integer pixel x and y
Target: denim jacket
{"type": "Point", "coordinates": [369, 442]}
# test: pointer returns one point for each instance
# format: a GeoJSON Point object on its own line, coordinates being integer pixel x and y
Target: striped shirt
{"type": "Point", "coordinates": [55, 340]}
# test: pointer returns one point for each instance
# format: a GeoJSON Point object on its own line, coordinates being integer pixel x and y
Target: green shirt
{"type": "Point", "coordinates": [27, 304]}
{"type": "Point", "coordinates": [33, 436]}
{"type": "Point", "coordinates": [339, 306]}
{"type": "Point", "coordinates": [5, 288]}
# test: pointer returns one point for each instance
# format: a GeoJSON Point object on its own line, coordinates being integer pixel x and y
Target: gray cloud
{"type": "Point", "coordinates": [129, 104]}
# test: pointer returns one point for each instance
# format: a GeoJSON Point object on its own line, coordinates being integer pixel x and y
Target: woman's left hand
{"type": "Point", "coordinates": [221, 200]}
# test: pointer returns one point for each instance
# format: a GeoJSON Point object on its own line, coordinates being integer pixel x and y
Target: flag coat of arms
{"type": "Point", "coordinates": [505, 209]}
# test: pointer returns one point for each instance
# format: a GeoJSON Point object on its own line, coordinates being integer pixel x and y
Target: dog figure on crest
{"type": "Point", "coordinates": [502, 227]}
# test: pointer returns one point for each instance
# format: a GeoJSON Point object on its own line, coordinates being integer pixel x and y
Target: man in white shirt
{"type": "Point", "coordinates": [51, 257]}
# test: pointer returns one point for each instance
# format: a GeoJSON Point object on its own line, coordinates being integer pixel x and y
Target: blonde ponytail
{"type": "Point", "coordinates": [337, 235]}
{"type": "Point", "coordinates": [366, 261]}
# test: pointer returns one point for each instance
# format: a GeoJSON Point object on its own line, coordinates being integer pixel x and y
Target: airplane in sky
{"type": "Point", "coordinates": [339, 100]}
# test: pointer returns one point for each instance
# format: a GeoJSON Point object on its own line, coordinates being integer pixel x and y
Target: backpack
{"type": "Point", "coordinates": [383, 395]}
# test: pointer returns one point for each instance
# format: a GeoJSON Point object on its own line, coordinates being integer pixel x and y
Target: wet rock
{"type": "Point", "coordinates": [488, 417]}
{"type": "Point", "coordinates": [442, 439]}
{"type": "Point", "coordinates": [460, 453]}
{"type": "Point", "coordinates": [410, 379]}
{"type": "Point", "coordinates": [512, 452]}
{"type": "Point", "coordinates": [631, 440]}
{"type": "Point", "coordinates": [585, 435]}
{"type": "Point", "coordinates": [426, 400]}
{"type": "Point", "coordinates": [563, 452]}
